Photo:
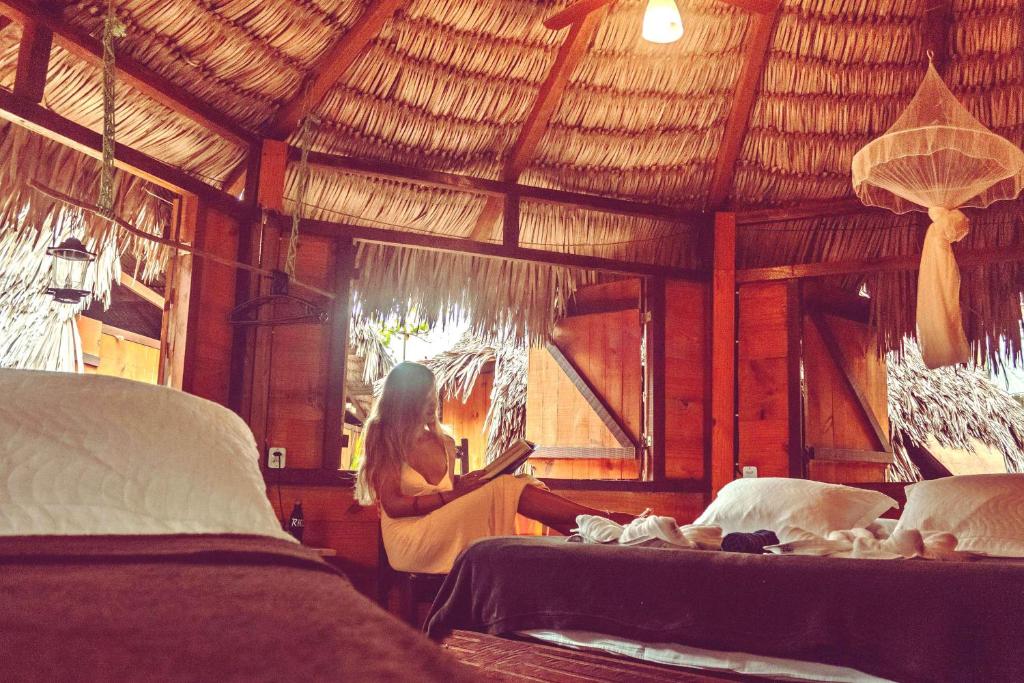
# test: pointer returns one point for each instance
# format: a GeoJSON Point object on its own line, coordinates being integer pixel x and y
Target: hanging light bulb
{"type": "Point", "coordinates": [68, 273]}
{"type": "Point", "coordinates": [662, 23]}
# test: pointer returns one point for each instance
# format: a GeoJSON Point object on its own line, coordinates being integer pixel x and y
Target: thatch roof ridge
{"type": "Point", "coordinates": [955, 405]}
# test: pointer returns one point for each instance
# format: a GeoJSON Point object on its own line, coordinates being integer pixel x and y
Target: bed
{"type": "Point", "coordinates": [137, 543]}
{"type": "Point", "coordinates": [815, 618]}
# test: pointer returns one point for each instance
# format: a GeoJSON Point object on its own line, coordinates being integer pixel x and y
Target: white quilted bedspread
{"type": "Point", "coordinates": [85, 454]}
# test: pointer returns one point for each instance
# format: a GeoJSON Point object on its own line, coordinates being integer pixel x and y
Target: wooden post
{"type": "Point", "coordinates": [246, 283]}
{"type": "Point", "coordinates": [723, 353]}
{"type": "Point", "coordinates": [655, 310]}
{"type": "Point", "coordinates": [794, 358]}
{"type": "Point", "coordinates": [270, 196]}
{"type": "Point", "coordinates": [334, 400]}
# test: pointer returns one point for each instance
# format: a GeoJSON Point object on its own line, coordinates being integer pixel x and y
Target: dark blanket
{"type": "Point", "coordinates": [908, 620]}
{"type": "Point", "coordinates": [214, 608]}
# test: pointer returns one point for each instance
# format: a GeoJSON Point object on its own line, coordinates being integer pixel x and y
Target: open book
{"type": "Point", "coordinates": [511, 460]}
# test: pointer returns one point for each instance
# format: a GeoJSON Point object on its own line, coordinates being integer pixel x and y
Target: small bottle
{"type": "Point", "coordinates": [296, 523]}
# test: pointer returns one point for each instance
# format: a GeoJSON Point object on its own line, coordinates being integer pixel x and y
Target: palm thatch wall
{"type": "Point", "coordinates": [37, 332]}
{"type": "Point", "coordinates": [956, 406]}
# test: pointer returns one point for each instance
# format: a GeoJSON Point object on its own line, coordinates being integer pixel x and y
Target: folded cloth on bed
{"type": "Point", "coordinates": [870, 544]}
{"type": "Point", "coordinates": [648, 531]}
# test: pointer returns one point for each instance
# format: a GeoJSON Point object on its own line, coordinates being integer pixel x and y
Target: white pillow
{"type": "Point", "coordinates": [86, 454]}
{"type": "Point", "coordinates": [777, 503]}
{"type": "Point", "coordinates": [984, 511]}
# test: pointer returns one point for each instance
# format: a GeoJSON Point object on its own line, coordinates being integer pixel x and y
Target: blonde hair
{"type": "Point", "coordinates": [398, 417]}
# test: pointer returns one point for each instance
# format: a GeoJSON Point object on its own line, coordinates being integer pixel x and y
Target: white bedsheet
{"type": "Point", "coordinates": [672, 654]}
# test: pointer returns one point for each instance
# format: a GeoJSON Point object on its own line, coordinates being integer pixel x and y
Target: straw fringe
{"type": "Point", "coordinates": [38, 333]}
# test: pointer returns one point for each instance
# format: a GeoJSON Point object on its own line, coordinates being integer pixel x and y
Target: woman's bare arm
{"type": "Point", "coordinates": [397, 505]}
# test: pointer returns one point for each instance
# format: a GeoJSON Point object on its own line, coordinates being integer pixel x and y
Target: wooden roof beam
{"type": "Point", "coordinates": [33, 62]}
{"type": "Point", "coordinates": [758, 44]}
{"type": "Point", "coordinates": [325, 73]}
{"type": "Point", "coordinates": [460, 245]}
{"type": "Point", "coordinates": [139, 77]}
{"type": "Point", "coordinates": [498, 188]}
{"type": "Point", "coordinates": [536, 124]}
{"type": "Point", "coordinates": [331, 66]}
{"type": "Point", "coordinates": [145, 292]}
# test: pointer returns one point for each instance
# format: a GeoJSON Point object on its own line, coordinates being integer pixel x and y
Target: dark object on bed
{"type": "Point", "coordinates": [908, 620]}
{"type": "Point", "coordinates": [510, 661]}
{"type": "Point", "coordinates": [753, 542]}
{"type": "Point", "coordinates": [216, 608]}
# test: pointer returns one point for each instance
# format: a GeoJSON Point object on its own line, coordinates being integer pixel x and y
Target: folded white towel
{"type": "Point", "coordinates": [864, 544]}
{"type": "Point", "coordinates": [656, 531]}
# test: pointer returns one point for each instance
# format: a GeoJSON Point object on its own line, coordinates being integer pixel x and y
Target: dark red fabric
{"type": "Point", "coordinates": [907, 620]}
{"type": "Point", "coordinates": [197, 608]}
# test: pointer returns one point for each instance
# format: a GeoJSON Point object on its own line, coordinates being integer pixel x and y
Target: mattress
{"type": "Point", "coordinates": [904, 620]}
{"type": "Point", "coordinates": [673, 654]}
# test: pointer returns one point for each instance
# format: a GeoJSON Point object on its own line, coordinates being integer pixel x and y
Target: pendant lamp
{"type": "Point", "coordinates": [69, 270]}
{"type": "Point", "coordinates": [937, 157]}
{"type": "Point", "coordinates": [662, 23]}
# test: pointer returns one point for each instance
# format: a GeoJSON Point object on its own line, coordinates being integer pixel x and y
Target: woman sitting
{"type": "Point", "coordinates": [428, 514]}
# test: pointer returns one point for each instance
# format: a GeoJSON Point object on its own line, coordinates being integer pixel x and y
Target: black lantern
{"type": "Point", "coordinates": [67, 275]}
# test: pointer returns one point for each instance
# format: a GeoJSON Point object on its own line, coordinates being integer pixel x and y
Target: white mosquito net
{"type": "Point", "coordinates": [937, 157]}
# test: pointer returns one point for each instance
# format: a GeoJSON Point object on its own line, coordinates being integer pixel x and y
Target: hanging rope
{"type": "Point", "coordinates": [293, 240]}
{"type": "Point", "coordinates": [112, 28]}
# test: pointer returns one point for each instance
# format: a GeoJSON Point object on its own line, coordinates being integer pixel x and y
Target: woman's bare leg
{"type": "Point", "coordinates": [559, 513]}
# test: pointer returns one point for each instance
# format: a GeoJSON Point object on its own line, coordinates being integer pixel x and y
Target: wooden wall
{"type": "Point", "coordinates": [466, 420]}
{"type": "Point", "coordinates": [768, 380]}
{"type": "Point", "coordinates": [845, 401]}
{"type": "Point", "coordinates": [296, 399]}
{"type": "Point", "coordinates": [208, 302]}
{"type": "Point", "coordinates": [687, 390]}
{"type": "Point", "coordinates": [116, 353]}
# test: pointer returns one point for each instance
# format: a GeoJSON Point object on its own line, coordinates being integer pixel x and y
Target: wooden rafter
{"type": "Point", "coordinates": [755, 54]}
{"type": "Point", "coordinates": [325, 73]}
{"type": "Point", "coordinates": [460, 245]}
{"type": "Point", "coordinates": [139, 77]}
{"type": "Point", "coordinates": [498, 188]}
{"type": "Point", "coordinates": [331, 66]}
{"type": "Point", "coordinates": [965, 259]}
{"type": "Point", "coordinates": [142, 290]}
{"type": "Point", "coordinates": [33, 62]}
{"type": "Point", "coordinates": [576, 44]}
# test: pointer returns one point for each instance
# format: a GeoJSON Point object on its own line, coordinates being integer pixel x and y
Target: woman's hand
{"type": "Point", "coordinates": [469, 482]}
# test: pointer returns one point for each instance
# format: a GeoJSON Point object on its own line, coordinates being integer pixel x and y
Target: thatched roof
{"type": "Point", "coordinates": [36, 332]}
{"type": "Point", "coordinates": [448, 84]}
{"type": "Point", "coordinates": [457, 370]}
{"type": "Point", "coordinates": [956, 406]}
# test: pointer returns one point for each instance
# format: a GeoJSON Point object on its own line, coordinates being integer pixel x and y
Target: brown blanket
{"type": "Point", "coordinates": [907, 620]}
{"type": "Point", "coordinates": [215, 608]}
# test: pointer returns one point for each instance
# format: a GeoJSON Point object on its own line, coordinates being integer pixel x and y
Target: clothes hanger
{"type": "Point", "coordinates": [296, 310]}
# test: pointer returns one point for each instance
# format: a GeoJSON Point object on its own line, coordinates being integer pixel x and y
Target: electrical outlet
{"type": "Point", "coordinates": [275, 458]}
{"type": "Point", "coordinates": [749, 472]}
